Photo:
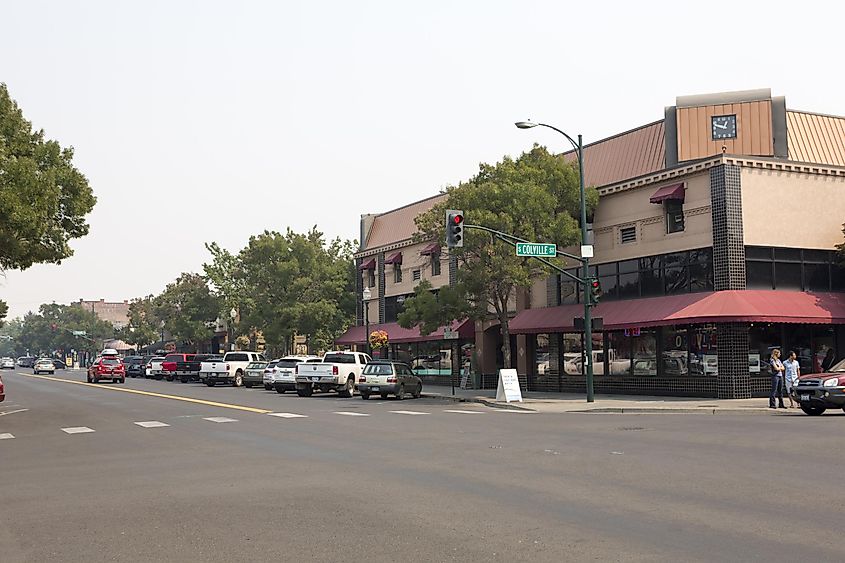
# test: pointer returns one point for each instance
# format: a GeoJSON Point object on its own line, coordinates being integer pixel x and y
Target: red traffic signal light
{"type": "Point", "coordinates": [454, 228]}
{"type": "Point", "coordinates": [595, 290]}
{"type": "Point", "coordinates": [457, 219]}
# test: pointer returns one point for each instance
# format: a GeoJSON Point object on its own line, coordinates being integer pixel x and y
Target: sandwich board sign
{"type": "Point", "coordinates": [508, 389]}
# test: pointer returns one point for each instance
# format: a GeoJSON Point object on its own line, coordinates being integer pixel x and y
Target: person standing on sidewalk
{"type": "Point", "coordinates": [791, 373]}
{"type": "Point", "coordinates": [776, 368]}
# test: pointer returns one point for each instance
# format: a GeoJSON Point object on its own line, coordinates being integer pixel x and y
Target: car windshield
{"type": "Point", "coordinates": [840, 367]}
{"type": "Point", "coordinates": [378, 369]}
{"type": "Point", "coordinates": [339, 358]}
{"type": "Point", "coordinates": [237, 357]}
{"type": "Point", "coordinates": [110, 362]}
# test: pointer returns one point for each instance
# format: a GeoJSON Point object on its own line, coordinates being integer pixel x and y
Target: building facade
{"type": "Point", "coordinates": [115, 313]}
{"type": "Point", "coordinates": [714, 241]}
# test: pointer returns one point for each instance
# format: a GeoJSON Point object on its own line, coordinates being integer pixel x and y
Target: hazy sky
{"type": "Point", "coordinates": [212, 121]}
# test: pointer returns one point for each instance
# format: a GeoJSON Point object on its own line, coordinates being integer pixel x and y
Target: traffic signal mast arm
{"type": "Point", "coordinates": [512, 240]}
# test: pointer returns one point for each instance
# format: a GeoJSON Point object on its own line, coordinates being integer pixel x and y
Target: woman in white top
{"type": "Point", "coordinates": [791, 373]}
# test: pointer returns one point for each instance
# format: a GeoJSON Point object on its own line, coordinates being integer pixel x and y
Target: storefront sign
{"type": "Point", "coordinates": [508, 389]}
{"type": "Point", "coordinates": [632, 331]}
{"type": "Point", "coordinates": [449, 334]}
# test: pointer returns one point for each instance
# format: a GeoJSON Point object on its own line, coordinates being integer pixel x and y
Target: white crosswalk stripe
{"type": "Point", "coordinates": [344, 413]}
{"type": "Point", "coordinates": [77, 430]}
{"type": "Point", "coordinates": [409, 412]}
{"type": "Point", "coordinates": [287, 415]}
{"type": "Point", "coordinates": [220, 419]}
{"type": "Point", "coordinates": [464, 412]}
{"type": "Point", "coordinates": [152, 424]}
{"type": "Point", "coordinates": [6, 436]}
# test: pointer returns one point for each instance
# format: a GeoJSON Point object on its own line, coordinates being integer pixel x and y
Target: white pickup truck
{"type": "Point", "coordinates": [230, 370]}
{"type": "Point", "coordinates": [153, 368]}
{"type": "Point", "coordinates": [337, 372]}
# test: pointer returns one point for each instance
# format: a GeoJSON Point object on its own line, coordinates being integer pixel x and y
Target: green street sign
{"type": "Point", "coordinates": [541, 249]}
{"type": "Point", "coordinates": [79, 333]}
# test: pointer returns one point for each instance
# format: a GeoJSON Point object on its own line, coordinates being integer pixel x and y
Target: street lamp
{"type": "Point", "coordinates": [233, 314]}
{"type": "Point", "coordinates": [366, 294]}
{"type": "Point", "coordinates": [585, 260]}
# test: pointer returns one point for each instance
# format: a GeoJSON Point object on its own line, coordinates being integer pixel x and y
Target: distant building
{"type": "Point", "coordinates": [115, 313]}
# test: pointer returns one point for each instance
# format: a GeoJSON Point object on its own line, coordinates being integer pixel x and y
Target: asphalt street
{"type": "Point", "coordinates": [182, 472]}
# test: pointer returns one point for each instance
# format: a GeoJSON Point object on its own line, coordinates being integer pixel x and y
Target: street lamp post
{"type": "Point", "coordinates": [366, 294]}
{"type": "Point", "coordinates": [585, 260]}
{"type": "Point", "coordinates": [233, 314]}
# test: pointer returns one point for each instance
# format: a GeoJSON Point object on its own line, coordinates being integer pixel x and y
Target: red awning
{"type": "Point", "coordinates": [432, 248]}
{"type": "Point", "coordinates": [369, 264]}
{"type": "Point", "coordinates": [397, 335]}
{"type": "Point", "coordinates": [692, 308]}
{"type": "Point", "coordinates": [394, 259]}
{"type": "Point", "coordinates": [675, 191]}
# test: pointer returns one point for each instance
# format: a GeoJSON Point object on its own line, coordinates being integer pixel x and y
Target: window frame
{"type": "Point", "coordinates": [668, 214]}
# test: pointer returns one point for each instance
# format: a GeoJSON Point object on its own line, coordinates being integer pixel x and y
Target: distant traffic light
{"type": "Point", "coordinates": [454, 228]}
{"type": "Point", "coordinates": [53, 327]}
{"type": "Point", "coordinates": [595, 290]}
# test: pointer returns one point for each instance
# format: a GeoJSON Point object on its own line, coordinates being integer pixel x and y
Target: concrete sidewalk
{"type": "Point", "coordinates": [577, 403]}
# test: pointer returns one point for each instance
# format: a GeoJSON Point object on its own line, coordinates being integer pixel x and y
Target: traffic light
{"type": "Point", "coordinates": [454, 228]}
{"type": "Point", "coordinates": [53, 327]}
{"type": "Point", "coordinates": [595, 290]}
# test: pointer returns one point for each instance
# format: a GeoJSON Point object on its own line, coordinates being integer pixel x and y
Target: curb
{"type": "Point", "coordinates": [485, 402]}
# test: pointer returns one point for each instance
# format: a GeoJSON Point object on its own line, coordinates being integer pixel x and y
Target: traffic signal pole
{"type": "Point", "coordinates": [585, 261]}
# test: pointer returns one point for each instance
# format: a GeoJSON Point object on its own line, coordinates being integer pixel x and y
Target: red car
{"type": "Point", "coordinates": [107, 368]}
{"type": "Point", "coordinates": [2, 391]}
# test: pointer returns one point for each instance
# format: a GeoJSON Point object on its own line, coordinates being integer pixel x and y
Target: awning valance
{"type": "Point", "coordinates": [368, 264]}
{"type": "Point", "coordinates": [675, 192]}
{"type": "Point", "coordinates": [394, 259]}
{"type": "Point", "coordinates": [692, 308]}
{"type": "Point", "coordinates": [398, 335]}
{"type": "Point", "coordinates": [433, 248]}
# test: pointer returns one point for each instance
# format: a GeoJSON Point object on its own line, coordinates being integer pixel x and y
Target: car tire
{"type": "Point", "coordinates": [157, 377]}
{"type": "Point", "coordinates": [348, 389]}
{"type": "Point", "coordinates": [304, 390]}
{"type": "Point", "coordinates": [239, 379]}
{"type": "Point", "coordinates": [89, 379]}
{"type": "Point", "coordinates": [210, 383]}
{"type": "Point", "coordinates": [812, 410]}
{"type": "Point", "coordinates": [280, 390]}
{"type": "Point", "coordinates": [418, 391]}
{"type": "Point", "coordinates": [248, 385]}
{"type": "Point", "coordinates": [365, 396]}
{"type": "Point", "coordinates": [401, 394]}
{"type": "Point", "coordinates": [96, 380]}
{"type": "Point", "coordinates": [268, 387]}
{"type": "Point", "coordinates": [183, 379]}
{"type": "Point", "coordinates": [168, 377]}
{"type": "Point", "coordinates": [115, 381]}
{"type": "Point", "coordinates": [383, 395]}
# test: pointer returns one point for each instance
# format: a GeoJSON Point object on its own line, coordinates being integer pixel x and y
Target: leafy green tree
{"type": "Point", "coordinates": [189, 309]}
{"type": "Point", "coordinates": [43, 198]}
{"type": "Point", "coordinates": [535, 197]}
{"type": "Point", "coordinates": [225, 275]}
{"type": "Point", "coordinates": [4, 310]}
{"type": "Point", "coordinates": [10, 337]}
{"type": "Point", "coordinates": [52, 329]}
{"type": "Point", "coordinates": [144, 325]}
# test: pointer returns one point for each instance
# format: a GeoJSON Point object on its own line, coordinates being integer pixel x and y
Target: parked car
{"type": "Point", "coordinates": [170, 367]}
{"type": "Point", "coordinates": [7, 363]}
{"type": "Point", "coordinates": [230, 370]}
{"type": "Point", "coordinates": [59, 364]}
{"type": "Point", "coordinates": [821, 391]}
{"type": "Point", "coordinates": [389, 378]}
{"type": "Point", "coordinates": [26, 361]}
{"type": "Point", "coordinates": [254, 373]}
{"type": "Point", "coordinates": [337, 372]}
{"type": "Point", "coordinates": [146, 361]}
{"type": "Point", "coordinates": [280, 374]}
{"type": "Point", "coordinates": [107, 367]}
{"type": "Point", "coordinates": [134, 366]}
{"type": "Point", "coordinates": [154, 369]}
{"type": "Point", "coordinates": [43, 365]}
{"type": "Point", "coordinates": [2, 391]}
{"type": "Point", "coordinates": [189, 369]}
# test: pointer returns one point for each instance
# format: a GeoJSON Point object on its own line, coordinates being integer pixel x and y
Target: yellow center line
{"type": "Point", "coordinates": [151, 394]}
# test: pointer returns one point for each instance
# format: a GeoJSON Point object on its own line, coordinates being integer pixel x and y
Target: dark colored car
{"type": "Point", "coordinates": [189, 369]}
{"type": "Point", "coordinates": [389, 378]}
{"type": "Point", "coordinates": [821, 391]}
{"type": "Point", "coordinates": [135, 366]}
{"type": "Point", "coordinates": [26, 361]}
{"type": "Point", "coordinates": [2, 391]}
{"type": "Point", "coordinates": [59, 364]}
{"type": "Point", "coordinates": [107, 368]}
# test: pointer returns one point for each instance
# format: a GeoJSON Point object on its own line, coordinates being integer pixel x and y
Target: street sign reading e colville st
{"type": "Point", "coordinates": [536, 249]}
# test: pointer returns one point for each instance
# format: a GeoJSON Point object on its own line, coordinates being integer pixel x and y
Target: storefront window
{"type": "Point", "coordinates": [788, 275]}
{"type": "Point", "coordinates": [572, 350]}
{"type": "Point", "coordinates": [619, 353]}
{"type": "Point", "coordinates": [544, 370]}
{"type": "Point", "coordinates": [703, 359]}
{"type": "Point", "coordinates": [762, 339]}
{"type": "Point", "coordinates": [799, 338]}
{"type": "Point", "coordinates": [701, 270]}
{"type": "Point", "coordinates": [824, 347]}
{"type": "Point", "coordinates": [817, 277]}
{"type": "Point", "coordinates": [675, 361]}
{"type": "Point", "coordinates": [759, 275]}
{"type": "Point", "coordinates": [644, 352]}
{"type": "Point", "coordinates": [403, 352]}
{"type": "Point", "coordinates": [433, 358]}
{"type": "Point", "coordinates": [629, 286]}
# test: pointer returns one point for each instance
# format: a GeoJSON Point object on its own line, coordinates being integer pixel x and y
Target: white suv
{"type": "Point", "coordinates": [280, 374]}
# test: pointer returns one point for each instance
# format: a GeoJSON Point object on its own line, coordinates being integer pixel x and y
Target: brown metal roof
{"type": "Point", "coordinates": [817, 138]}
{"type": "Point", "coordinates": [626, 155]}
{"type": "Point", "coordinates": [398, 225]}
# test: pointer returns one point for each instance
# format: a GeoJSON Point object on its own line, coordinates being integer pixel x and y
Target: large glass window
{"type": "Point", "coordinates": [619, 353]}
{"type": "Point", "coordinates": [824, 347]}
{"type": "Point", "coordinates": [676, 273]}
{"type": "Point", "coordinates": [792, 269]}
{"type": "Point", "coordinates": [762, 339]}
{"type": "Point", "coordinates": [675, 345]}
{"type": "Point", "coordinates": [572, 351]}
{"type": "Point", "coordinates": [545, 372]}
{"type": "Point", "coordinates": [788, 275]}
{"type": "Point", "coordinates": [569, 288]}
{"type": "Point", "coordinates": [644, 352]}
{"type": "Point", "coordinates": [817, 277]}
{"type": "Point", "coordinates": [703, 359]}
{"type": "Point", "coordinates": [759, 275]}
{"type": "Point", "coordinates": [432, 359]}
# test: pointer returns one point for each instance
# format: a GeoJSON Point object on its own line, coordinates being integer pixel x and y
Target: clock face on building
{"type": "Point", "coordinates": [724, 127]}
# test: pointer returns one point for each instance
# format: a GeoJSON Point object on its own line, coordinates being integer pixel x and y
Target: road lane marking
{"type": "Point", "coordinates": [287, 415]}
{"type": "Point", "coordinates": [345, 413]}
{"type": "Point", "coordinates": [220, 419]}
{"type": "Point", "coordinates": [464, 412]}
{"type": "Point", "coordinates": [409, 412]}
{"type": "Point", "coordinates": [77, 430]}
{"type": "Point", "coordinates": [12, 412]}
{"type": "Point", "coordinates": [6, 436]}
{"type": "Point", "coordinates": [151, 424]}
{"type": "Point", "coordinates": [151, 394]}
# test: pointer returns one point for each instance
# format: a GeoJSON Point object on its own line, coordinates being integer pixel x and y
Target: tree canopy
{"type": "Point", "coordinates": [188, 308]}
{"type": "Point", "coordinates": [535, 197]}
{"type": "Point", "coordinates": [52, 329]}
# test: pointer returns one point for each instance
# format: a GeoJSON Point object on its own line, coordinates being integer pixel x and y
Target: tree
{"type": "Point", "coordinates": [535, 197]}
{"type": "Point", "coordinates": [53, 326]}
{"type": "Point", "coordinates": [189, 309]}
{"type": "Point", "coordinates": [4, 310]}
{"type": "Point", "coordinates": [43, 198]}
{"type": "Point", "coordinates": [144, 324]}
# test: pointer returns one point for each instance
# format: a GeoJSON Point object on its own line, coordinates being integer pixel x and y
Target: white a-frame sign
{"type": "Point", "coordinates": [508, 389]}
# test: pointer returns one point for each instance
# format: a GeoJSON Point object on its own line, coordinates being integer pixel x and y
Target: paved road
{"type": "Point", "coordinates": [261, 476]}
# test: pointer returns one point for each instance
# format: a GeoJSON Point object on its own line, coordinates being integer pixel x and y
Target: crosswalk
{"type": "Point", "coordinates": [153, 424]}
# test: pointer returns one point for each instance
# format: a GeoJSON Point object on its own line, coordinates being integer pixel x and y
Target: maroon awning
{"type": "Point", "coordinates": [398, 335]}
{"type": "Point", "coordinates": [757, 305]}
{"type": "Point", "coordinates": [432, 248]}
{"type": "Point", "coordinates": [369, 264]}
{"type": "Point", "coordinates": [394, 259]}
{"type": "Point", "coordinates": [675, 191]}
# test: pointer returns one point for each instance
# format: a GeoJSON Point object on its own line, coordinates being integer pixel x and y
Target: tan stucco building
{"type": "Point", "coordinates": [714, 243]}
